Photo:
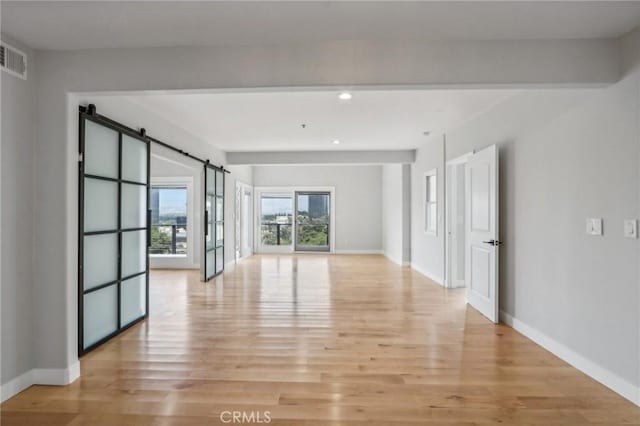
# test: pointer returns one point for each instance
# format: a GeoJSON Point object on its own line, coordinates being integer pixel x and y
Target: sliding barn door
{"type": "Point", "coordinates": [113, 230]}
{"type": "Point", "coordinates": [213, 222]}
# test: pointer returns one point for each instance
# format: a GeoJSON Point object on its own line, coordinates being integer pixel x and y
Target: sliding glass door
{"type": "Point", "coordinates": [313, 212]}
{"type": "Point", "coordinates": [214, 222]}
{"type": "Point", "coordinates": [113, 278]}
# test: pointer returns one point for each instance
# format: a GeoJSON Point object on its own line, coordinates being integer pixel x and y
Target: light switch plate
{"type": "Point", "coordinates": [594, 226]}
{"type": "Point", "coordinates": [631, 228]}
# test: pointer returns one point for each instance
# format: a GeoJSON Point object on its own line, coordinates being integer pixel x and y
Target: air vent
{"type": "Point", "coordinates": [13, 61]}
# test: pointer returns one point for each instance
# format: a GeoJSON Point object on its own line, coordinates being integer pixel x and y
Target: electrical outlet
{"type": "Point", "coordinates": [594, 226]}
{"type": "Point", "coordinates": [631, 228]}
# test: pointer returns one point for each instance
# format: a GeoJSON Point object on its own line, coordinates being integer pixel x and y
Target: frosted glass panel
{"type": "Point", "coordinates": [134, 159]}
{"type": "Point", "coordinates": [100, 259]}
{"type": "Point", "coordinates": [219, 259]}
{"type": "Point", "coordinates": [134, 252]}
{"type": "Point", "coordinates": [211, 263]}
{"type": "Point", "coordinates": [100, 150]}
{"type": "Point", "coordinates": [219, 183]}
{"type": "Point", "coordinates": [210, 237]}
{"type": "Point", "coordinates": [219, 208]}
{"type": "Point", "coordinates": [132, 299]}
{"type": "Point", "coordinates": [100, 314]}
{"type": "Point", "coordinates": [134, 206]}
{"type": "Point", "coordinates": [100, 205]}
{"type": "Point", "coordinates": [219, 233]}
{"type": "Point", "coordinates": [210, 181]}
{"type": "Point", "coordinates": [214, 205]}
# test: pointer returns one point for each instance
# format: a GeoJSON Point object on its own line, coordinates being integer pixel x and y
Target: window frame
{"type": "Point", "coordinates": [428, 202]}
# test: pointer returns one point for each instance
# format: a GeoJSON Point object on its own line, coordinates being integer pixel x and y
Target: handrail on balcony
{"type": "Point", "coordinates": [279, 227]}
{"type": "Point", "coordinates": [158, 247]}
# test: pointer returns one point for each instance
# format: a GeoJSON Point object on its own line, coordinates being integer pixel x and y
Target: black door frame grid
{"type": "Point", "coordinates": [214, 221]}
{"type": "Point", "coordinates": [89, 114]}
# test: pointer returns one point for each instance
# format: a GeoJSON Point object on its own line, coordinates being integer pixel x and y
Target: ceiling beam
{"type": "Point", "coordinates": [443, 64]}
{"type": "Point", "coordinates": [321, 157]}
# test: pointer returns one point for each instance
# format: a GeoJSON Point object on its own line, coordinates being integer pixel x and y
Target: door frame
{"type": "Point", "coordinates": [291, 191]}
{"type": "Point", "coordinates": [242, 189]}
{"type": "Point", "coordinates": [450, 195]}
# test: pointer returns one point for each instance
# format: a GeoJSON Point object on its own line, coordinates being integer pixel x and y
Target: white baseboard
{"type": "Point", "coordinates": [358, 252]}
{"type": "Point", "coordinates": [40, 376]}
{"type": "Point", "coordinates": [15, 386]}
{"type": "Point", "coordinates": [392, 258]}
{"type": "Point", "coordinates": [402, 263]}
{"type": "Point", "coordinates": [457, 284]}
{"type": "Point", "coordinates": [431, 276]}
{"type": "Point", "coordinates": [588, 367]}
{"type": "Point", "coordinates": [56, 376]}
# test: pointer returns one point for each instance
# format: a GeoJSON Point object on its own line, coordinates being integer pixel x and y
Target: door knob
{"type": "Point", "coordinates": [493, 242]}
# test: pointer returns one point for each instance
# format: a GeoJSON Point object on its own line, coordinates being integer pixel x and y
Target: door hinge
{"type": "Point", "coordinates": [80, 157]}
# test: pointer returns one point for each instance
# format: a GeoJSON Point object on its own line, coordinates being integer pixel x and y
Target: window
{"type": "Point", "coordinates": [169, 220]}
{"type": "Point", "coordinates": [276, 220]}
{"type": "Point", "coordinates": [431, 202]}
{"type": "Point", "coordinates": [312, 221]}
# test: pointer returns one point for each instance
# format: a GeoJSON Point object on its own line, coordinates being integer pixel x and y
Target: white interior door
{"type": "Point", "coordinates": [481, 258]}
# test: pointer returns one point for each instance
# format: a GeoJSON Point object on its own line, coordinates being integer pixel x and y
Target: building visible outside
{"type": "Point", "coordinates": [168, 220]}
{"type": "Point", "coordinates": [312, 220]}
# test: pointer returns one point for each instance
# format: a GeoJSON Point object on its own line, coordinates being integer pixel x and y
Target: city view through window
{"type": "Point", "coordinates": [312, 221]}
{"type": "Point", "coordinates": [168, 221]}
{"type": "Point", "coordinates": [276, 220]}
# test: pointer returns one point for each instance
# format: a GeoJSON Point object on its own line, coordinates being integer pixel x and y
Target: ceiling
{"type": "Point", "coordinates": [94, 24]}
{"type": "Point", "coordinates": [304, 121]}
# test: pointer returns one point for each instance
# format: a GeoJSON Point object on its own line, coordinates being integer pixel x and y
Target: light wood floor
{"type": "Point", "coordinates": [314, 339]}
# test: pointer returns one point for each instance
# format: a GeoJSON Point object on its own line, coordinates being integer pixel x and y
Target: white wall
{"type": "Point", "coordinates": [392, 212]}
{"type": "Point", "coordinates": [427, 250]}
{"type": "Point", "coordinates": [564, 156]}
{"type": "Point", "coordinates": [396, 212]}
{"type": "Point", "coordinates": [358, 198]}
{"type": "Point", "coordinates": [406, 213]}
{"type": "Point", "coordinates": [258, 158]}
{"type": "Point", "coordinates": [17, 205]}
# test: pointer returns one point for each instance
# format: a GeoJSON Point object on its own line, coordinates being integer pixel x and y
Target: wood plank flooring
{"type": "Point", "coordinates": [315, 340]}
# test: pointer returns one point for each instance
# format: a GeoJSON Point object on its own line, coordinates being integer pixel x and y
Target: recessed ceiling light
{"type": "Point", "coordinates": [336, 142]}
{"type": "Point", "coordinates": [345, 96]}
